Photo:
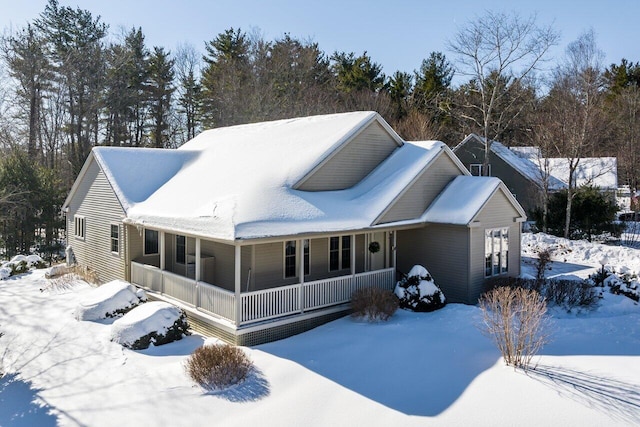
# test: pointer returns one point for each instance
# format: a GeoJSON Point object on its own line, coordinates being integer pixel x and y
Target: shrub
{"type": "Point", "coordinates": [564, 293]}
{"type": "Point", "coordinates": [216, 367]}
{"type": "Point", "coordinates": [373, 304]}
{"type": "Point", "coordinates": [544, 258]}
{"type": "Point", "coordinates": [515, 319]}
{"type": "Point", "coordinates": [418, 292]}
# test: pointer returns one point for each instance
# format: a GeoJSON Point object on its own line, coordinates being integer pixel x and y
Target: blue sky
{"type": "Point", "coordinates": [397, 34]}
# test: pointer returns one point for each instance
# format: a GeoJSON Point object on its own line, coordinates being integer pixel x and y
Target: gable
{"type": "Point", "coordinates": [499, 211]}
{"type": "Point", "coordinates": [353, 161]}
{"type": "Point", "coordinates": [418, 196]}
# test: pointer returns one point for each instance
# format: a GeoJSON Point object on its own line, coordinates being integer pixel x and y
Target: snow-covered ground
{"type": "Point", "coordinates": [416, 369]}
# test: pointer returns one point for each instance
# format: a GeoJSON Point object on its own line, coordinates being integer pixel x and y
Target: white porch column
{"type": "Point", "coordinates": [353, 254]}
{"type": "Point", "coordinates": [238, 278]}
{"type": "Point", "coordinates": [197, 276]}
{"type": "Point", "coordinates": [162, 250]}
{"type": "Point", "coordinates": [300, 257]}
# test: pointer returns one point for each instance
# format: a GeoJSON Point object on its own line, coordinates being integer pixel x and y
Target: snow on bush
{"type": "Point", "coordinates": [20, 264]}
{"type": "Point", "coordinates": [418, 291]}
{"type": "Point", "coordinates": [155, 322]}
{"type": "Point", "coordinates": [112, 299]}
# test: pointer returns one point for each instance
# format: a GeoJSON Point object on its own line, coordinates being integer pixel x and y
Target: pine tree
{"type": "Point", "coordinates": [161, 77]}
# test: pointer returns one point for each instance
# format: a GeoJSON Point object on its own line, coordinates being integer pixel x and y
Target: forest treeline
{"type": "Point", "coordinates": [69, 85]}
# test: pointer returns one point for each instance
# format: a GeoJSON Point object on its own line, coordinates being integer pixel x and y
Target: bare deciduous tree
{"type": "Point", "coordinates": [496, 51]}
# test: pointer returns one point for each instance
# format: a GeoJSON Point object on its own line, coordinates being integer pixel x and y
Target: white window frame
{"type": "Point", "coordinates": [79, 227]}
{"type": "Point", "coordinates": [496, 251]}
{"type": "Point", "coordinates": [340, 250]}
{"type": "Point", "coordinates": [478, 168]}
{"type": "Point", "coordinates": [144, 242]}
{"type": "Point", "coordinates": [116, 239]}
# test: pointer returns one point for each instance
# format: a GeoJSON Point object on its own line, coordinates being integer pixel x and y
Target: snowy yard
{"type": "Point", "coordinates": [416, 369]}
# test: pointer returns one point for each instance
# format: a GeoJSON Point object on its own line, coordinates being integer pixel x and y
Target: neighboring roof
{"type": "Point", "coordinates": [475, 191]}
{"type": "Point", "coordinates": [238, 182]}
{"type": "Point", "coordinates": [601, 172]}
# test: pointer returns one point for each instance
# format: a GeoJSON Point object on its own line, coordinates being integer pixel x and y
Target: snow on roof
{"type": "Point", "coordinates": [528, 166]}
{"type": "Point", "coordinates": [136, 173]}
{"type": "Point", "coordinates": [461, 200]}
{"type": "Point", "coordinates": [237, 182]}
{"type": "Point", "coordinates": [599, 172]}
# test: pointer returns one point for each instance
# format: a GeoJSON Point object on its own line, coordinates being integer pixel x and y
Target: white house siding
{"type": "Point", "coordinates": [353, 161]}
{"type": "Point", "coordinates": [497, 213]}
{"type": "Point", "coordinates": [95, 200]}
{"type": "Point", "coordinates": [441, 249]}
{"type": "Point", "coordinates": [415, 200]}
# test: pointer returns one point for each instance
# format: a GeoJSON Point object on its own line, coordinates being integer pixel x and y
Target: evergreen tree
{"type": "Point", "coordinates": [161, 76]}
{"type": "Point", "coordinates": [400, 88]}
{"type": "Point", "coordinates": [355, 74]}
{"type": "Point", "coordinates": [433, 81]}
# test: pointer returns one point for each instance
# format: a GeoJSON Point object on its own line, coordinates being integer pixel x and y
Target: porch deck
{"type": "Point", "coordinates": [257, 306]}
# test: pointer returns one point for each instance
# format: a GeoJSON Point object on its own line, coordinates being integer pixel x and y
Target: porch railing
{"type": "Point", "coordinates": [259, 305]}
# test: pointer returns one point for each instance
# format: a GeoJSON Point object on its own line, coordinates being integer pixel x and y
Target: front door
{"type": "Point", "coordinates": [376, 250]}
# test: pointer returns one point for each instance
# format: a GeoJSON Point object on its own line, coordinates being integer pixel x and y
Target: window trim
{"type": "Point", "coordinates": [499, 257]}
{"type": "Point", "coordinates": [79, 227]}
{"type": "Point", "coordinates": [144, 242]}
{"type": "Point", "coordinates": [116, 239]}
{"type": "Point", "coordinates": [343, 264]}
{"type": "Point", "coordinates": [478, 166]}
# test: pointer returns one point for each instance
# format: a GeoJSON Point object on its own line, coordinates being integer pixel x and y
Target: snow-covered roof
{"type": "Point", "coordinates": [475, 191]}
{"type": "Point", "coordinates": [239, 182]}
{"type": "Point", "coordinates": [601, 172]}
{"type": "Point", "coordinates": [528, 161]}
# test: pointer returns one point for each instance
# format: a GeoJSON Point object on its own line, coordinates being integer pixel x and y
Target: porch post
{"type": "Point", "coordinates": [300, 251]}
{"type": "Point", "coordinates": [162, 250]}
{"type": "Point", "coordinates": [238, 277]}
{"type": "Point", "coordinates": [353, 254]}
{"type": "Point", "coordinates": [197, 276]}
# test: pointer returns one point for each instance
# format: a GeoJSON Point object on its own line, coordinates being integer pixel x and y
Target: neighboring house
{"type": "Point", "coordinates": [264, 230]}
{"type": "Point", "coordinates": [527, 174]}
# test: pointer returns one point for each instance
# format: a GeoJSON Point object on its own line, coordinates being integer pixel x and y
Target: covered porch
{"type": "Point", "coordinates": [246, 284]}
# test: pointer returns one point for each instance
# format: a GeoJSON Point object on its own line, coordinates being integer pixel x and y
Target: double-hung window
{"type": "Point", "coordinates": [115, 238]}
{"type": "Point", "coordinates": [339, 253]}
{"type": "Point", "coordinates": [290, 260]}
{"type": "Point", "coordinates": [79, 227]}
{"type": "Point", "coordinates": [496, 251]}
{"type": "Point", "coordinates": [476, 169]}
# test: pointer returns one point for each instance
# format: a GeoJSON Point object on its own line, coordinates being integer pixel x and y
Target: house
{"type": "Point", "coordinates": [264, 230]}
{"type": "Point", "coordinates": [527, 174]}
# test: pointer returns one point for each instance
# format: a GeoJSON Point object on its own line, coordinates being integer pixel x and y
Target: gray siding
{"type": "Point", "coordinates": [415, 200]}
{"type": "Point", "coordinates": [225, 266]}
{"type": "Point", "coordinates": [353, 161]}
{"type": "Point", "coordinates": [95, 200]}
{"type": "Point", "coordinates": [497, 213]}
{"type": "Point", "coordinates": [269, 264]}
{"type": "Point", "coordinates": [444, 251]}
{"type": "Point", "coordinates": [526, 192]}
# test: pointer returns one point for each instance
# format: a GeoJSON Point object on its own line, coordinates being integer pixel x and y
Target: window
{"type": "Point", "coordinates": [79, 226]}
{"type": "Point", "coordinates": [339, 253]}
{"type": "Point", "coordinates": [476, 169]}
{"type": "Point", "coordinates": [150, 242]}
{"type": "Point", "coordinates": [115, 238]}
{"type": "Point", "coordinates": [181, 249]}
{"type": "Point", "coordinates": [496, 251]}
{"type": "Point", "coordinates": [290, 258]}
